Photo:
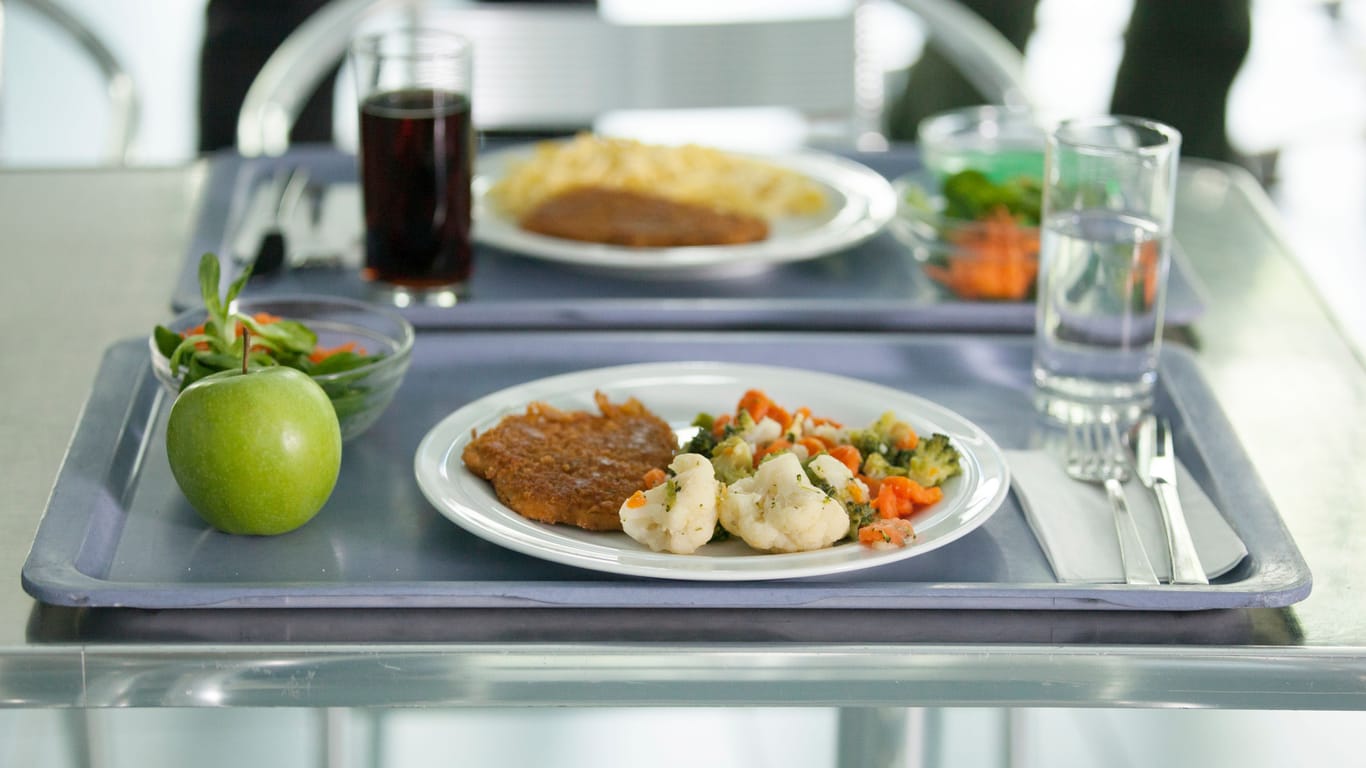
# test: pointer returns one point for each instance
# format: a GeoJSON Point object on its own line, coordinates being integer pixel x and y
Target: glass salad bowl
{"type": "Point", "coordinates": [971, 214]}
{"type": "Point", "coordinates": [993, 257]}
{"type": "Point", "coordinates": [1001, 142]}
{"type": "Point", "coordinates": [377, 344]}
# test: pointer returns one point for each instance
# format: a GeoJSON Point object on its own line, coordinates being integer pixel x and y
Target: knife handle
{"type": "Point", "coordinates": [1186, 567]}
{"type": "Point", "coordinates": [1137, 568]}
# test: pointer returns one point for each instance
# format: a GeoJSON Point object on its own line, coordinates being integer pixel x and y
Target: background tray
{"type": "Point", "coordinates": [875, 286]}
{"type": "Point", "coordinates": [117, 532]}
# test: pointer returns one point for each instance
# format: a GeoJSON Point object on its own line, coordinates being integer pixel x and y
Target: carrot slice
{"type": "Point", "coordinates": [900, 496]}
{"type": "Point", "coordinates": [995, 259]}
{"type": "Point", "coordinates": [886, 533]}
{"type": "Point", "coordinates": [718, 425]}
{"type": "Point", "coordinates": [755, 402]}
{"type": "Point", "coordinates": [771, 447]}
{"type": "Point", "coordinates": [320, 354]}
{"type": "Point", "coordinates": [849, 456]}
{"type": "Point", "coordinates": [654, 477]}
{"type": "Point", "coordinates": [780, 415]}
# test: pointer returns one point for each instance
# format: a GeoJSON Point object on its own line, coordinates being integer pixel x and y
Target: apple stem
{"type": "Point", "coordinates": [246, 347]}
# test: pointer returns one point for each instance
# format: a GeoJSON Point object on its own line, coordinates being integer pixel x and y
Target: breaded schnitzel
{"type": "Point", "coordinates": [621, 217]}
{"type": "Point", "coordinates": [572, 467]}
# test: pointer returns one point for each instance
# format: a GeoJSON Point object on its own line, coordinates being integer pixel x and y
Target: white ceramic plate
{"type": "Point", "coordinates": [861, 204]}
{"type": "Point", "coordinates": [677, 392]}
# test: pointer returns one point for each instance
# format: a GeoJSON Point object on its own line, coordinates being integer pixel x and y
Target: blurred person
{"type": "Point", "coordinates": [239, 36]}
{"type": "Point", "coordinates": [1179, 61]}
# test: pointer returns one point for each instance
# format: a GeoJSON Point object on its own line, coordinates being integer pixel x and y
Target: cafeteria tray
{"type": "Point", "coordinates": [877, 285]}
{"type": "Point", "coordinates": [117, 531]}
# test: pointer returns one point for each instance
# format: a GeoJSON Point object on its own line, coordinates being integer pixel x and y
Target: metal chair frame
{"type": "Point", "coordinates": [295, 70]}
{"type": "Point", "coordinates": [119, 85]}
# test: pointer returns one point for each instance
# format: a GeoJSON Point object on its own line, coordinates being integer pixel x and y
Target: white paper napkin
{"type": "Point", "coordinates": [1074, 523]}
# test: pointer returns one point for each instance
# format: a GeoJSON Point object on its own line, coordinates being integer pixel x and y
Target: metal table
{"type": "Point", "coordinates": [92, 258]}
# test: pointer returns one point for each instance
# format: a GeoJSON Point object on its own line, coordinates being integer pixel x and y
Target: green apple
{"type": "Point", "coordinates": [255, 452]}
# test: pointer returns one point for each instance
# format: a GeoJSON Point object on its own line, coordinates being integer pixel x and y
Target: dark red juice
{"type": "Point", "coordinates": [416, 155]}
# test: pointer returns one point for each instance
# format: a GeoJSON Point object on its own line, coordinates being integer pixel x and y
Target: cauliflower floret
{"type": "Point", "coordinates": [779, 510]}
{"type": "Point", "coordinates": [841, 481]}
{"type": "Point", "coordinates": [828, 433]}
{"type": "Point", "coordinates": [678, 515]}
{"type": "Point", "coordinates": [766, 430]}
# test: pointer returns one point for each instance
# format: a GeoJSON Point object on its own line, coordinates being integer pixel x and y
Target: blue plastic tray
{"type": "Point", "coordinates": [875, 286]}
{"type": "Point", "coordinates": [117, 531]}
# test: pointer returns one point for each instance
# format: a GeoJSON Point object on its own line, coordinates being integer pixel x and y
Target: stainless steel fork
{"type": "Point", "coordinates": [1094, 454]}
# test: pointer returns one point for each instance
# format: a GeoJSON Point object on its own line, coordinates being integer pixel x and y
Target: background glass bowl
{"type": "Point", "coordinates": [359, 395]}
{"type": "Point", "coordinates": [935, 240]}
{"type": "Point", "coordinates": [1001, 142]}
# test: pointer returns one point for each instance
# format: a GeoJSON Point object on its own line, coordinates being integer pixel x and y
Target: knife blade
{"type": "Point", "coordinates": [1155, 464]}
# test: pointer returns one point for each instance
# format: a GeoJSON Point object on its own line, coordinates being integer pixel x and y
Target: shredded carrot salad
{"type": "Point", "coordinates": [994, 258]}
{"type": "Point", "coordinates": [318, 354]}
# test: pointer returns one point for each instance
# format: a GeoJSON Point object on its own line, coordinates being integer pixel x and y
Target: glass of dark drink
{"type": "Point", "coordinates": [416, 159]}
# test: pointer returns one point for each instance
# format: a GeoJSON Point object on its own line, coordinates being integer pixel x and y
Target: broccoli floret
{"type": "Point", "coordinates": [820, 482]}
{"type": "Point", "coordinates": [732, 459]}
{"type": "Point", "coordinates": [876, 437]}
{"type": "Point", "coordinates": [704, 442]}
{"type": "Point", "coordinates": [859, 516]}
{"type": "Point", "coordinates": [933, 461]}
{"type": "Point", "coordinates": [719, 534]}
{"type": "Point", "coordinates": [866, 441]}
{"type": "Point", "coordinates": [883, 436]}
{"type": "Point", "coordinates": [877, 466]}
{"type": "Point", "coordinates": [742, 422]}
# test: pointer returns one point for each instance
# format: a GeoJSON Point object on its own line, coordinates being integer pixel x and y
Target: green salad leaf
{"type": "Point", "coordinates": [971, 195]}
{"type": "Point", "coordinates": [217, 346]}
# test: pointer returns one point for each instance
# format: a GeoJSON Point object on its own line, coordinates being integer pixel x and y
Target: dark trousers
{"type": "Point", "coordinates": [1179, 60]}
{"type": "Point", "coordinates": [239, 35]}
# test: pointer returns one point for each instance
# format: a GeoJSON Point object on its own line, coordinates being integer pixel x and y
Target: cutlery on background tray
{"type": "Point", "coordinates": [1094, 455]}
{"type": "Point", "coordinates": [287, 189]}
{"type": "Point", "coordinates": [1155, 463]}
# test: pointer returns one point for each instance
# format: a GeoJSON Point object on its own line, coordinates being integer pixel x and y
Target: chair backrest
{"type": "Point", "coordinates": [122, 93]}
{"type": "Point", "coordinates": [540, 67]}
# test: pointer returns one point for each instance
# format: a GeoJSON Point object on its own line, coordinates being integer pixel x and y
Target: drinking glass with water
{"type": "Point", "coordinates": [1109, 189]}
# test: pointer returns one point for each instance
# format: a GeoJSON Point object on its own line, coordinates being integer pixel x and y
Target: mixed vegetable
{"type": "Point", "coordinates": [992, 228]}
{"type": "Point", "coordinates": [216, 344]}
{"type": "Point", "coordinates": [882, 474]}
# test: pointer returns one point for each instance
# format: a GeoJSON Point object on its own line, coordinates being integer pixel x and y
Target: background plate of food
{"type": "Point", "coordinates": [689, 211]}
{"type": "Point", "coordinates": [677, 393]}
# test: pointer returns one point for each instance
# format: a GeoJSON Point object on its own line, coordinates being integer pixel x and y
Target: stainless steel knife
{"type": "Point", "coordinates": [1155, 462]}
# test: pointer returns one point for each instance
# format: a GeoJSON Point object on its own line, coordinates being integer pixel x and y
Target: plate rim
{"type": "Point", "coordinates": [438, 451]}
{"type": "Point", "coordinates": [870, 204]}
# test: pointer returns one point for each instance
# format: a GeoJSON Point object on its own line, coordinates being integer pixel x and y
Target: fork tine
{"type": "Point", "coordinates": [1083, 456]}
{"type": "Point", "coordinates": [1096, 447]}
{"type": "Point", "coordinates": [1116, 446]}
{"type": "Point", "coordinates": [1093, 455]}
